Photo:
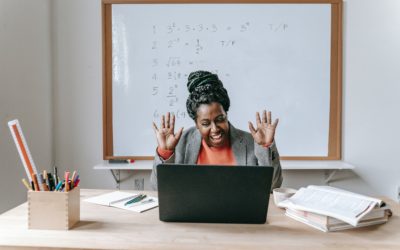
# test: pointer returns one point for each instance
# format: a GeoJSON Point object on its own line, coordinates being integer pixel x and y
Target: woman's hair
{"type": "Point", "coordinates": [204, 88]}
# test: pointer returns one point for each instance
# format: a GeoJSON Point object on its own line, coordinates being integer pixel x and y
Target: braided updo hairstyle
{"type": "Point", "coordinates": [204, 88]}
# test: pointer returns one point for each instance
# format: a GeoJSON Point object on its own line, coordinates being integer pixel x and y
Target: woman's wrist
{"type": "Point", "coordinates": [164, 153]}
{"type": "Point", "coordinates": [266, 144]}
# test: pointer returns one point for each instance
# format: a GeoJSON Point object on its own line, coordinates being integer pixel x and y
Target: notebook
{"type": "Point", "coordinates": [213, 194]}
{"type": "Point", "coordinates": [118, 199]}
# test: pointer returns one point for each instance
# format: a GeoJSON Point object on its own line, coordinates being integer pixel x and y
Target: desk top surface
{"type": "Point", "coordinates": [104, 227]}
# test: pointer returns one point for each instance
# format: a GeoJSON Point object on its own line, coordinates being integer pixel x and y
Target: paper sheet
{"type": "Point", "coordinates": [118, 199]}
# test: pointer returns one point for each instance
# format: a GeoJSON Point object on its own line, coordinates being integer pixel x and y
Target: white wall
{"type": "Point", "coordinates": [370, 84]}
{"type": "Point", "coordinates": [369, 120]}
{"type": "Point", "coordinates": [25, 91]}
{"type": "Point", "coordinates": [78, 89]}
{"type": "Point", "coordinates": [372, 92]}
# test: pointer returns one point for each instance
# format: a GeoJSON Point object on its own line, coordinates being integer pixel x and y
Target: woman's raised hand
{"type": "Point", "coordinates": [265, 132]}
{"type": "Point", "coordinates": [166, 138]}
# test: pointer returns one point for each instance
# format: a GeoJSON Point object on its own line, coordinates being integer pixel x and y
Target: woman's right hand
{"type": "Point", "coordinates": [166, 138]}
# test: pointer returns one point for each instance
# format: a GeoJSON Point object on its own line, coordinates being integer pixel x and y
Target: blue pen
{"type": "Point", "coordinates": [136, 199]}
{"type": "Point", "coordinates": [58, 186]}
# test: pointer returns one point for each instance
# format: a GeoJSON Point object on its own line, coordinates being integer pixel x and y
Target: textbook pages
{"type": "Point", "coordinates": [118, 199]}
{"type": "Point", "coordinates": [329, 224]}
{"type": "Point", "coordinates": [340, 204]}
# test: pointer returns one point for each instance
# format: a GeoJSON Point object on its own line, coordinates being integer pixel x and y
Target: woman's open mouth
{"type": "Point", "coordinates": [217, 138]}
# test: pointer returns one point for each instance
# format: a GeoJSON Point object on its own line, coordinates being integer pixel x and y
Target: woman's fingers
{"type": "Point", "coordinates": [252, 129]}
{"type": "Point", "coordinates": [172, 125]}
{"type": "Point", "coordinates": [155, 127]}
{"type": "Point", "coordinates": [258, 119]}
{"type": "Point", "coordinates": [264, 117]}
{"type": "Point", "coordinates": [162, 121]}
{"type": "Point", "coordinates": [275, 124]}
{"type": "Point", "coordinates": [167, 120]}
{"type": "Point", "coordinates": [269, 117]}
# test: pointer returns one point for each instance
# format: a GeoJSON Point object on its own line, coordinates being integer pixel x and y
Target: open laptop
{"type": "Point", "coordinates": [213, 194]}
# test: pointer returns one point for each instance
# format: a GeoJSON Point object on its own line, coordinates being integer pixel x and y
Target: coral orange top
{"type": "Point", "coordinates": [216, 156]}
{"type": "Point", "coordinates": [208, 155]}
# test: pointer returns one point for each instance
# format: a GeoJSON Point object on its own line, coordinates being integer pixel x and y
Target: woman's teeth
{"type": "Point", "coordinates": [216, 137]}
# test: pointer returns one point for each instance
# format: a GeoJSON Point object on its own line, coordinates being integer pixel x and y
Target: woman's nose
{"type": "Point", "coordinates": [214, 127]}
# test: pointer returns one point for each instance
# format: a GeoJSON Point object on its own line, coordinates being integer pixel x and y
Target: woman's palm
{"type": "Point", "coordinates": [265, 132]}
{"type": "Point", "coordinates": [166, 138]}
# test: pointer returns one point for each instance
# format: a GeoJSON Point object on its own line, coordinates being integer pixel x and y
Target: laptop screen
{"type": "Point", "coordinates": [213, 194]}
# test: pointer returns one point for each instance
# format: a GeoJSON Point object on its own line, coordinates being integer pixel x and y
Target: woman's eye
{"type": "Point", "coordinates": [221, 119]}
{"type": "Point", "coordinates": [205, 124]}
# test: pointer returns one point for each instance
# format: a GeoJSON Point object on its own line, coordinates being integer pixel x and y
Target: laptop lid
{"type": "Point", "coordinates": [213, 194]}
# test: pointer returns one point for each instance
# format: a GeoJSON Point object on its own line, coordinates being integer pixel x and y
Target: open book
{"type": "Point", "coordinates": [118, 199]}
{"type": "Point", "coordinates": [333, 202]}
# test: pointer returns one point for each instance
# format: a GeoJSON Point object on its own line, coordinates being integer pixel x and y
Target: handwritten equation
{"type": "Point", "coordinates": [176, 49]}
{"type": "Point", "coordinates": [174, 28]}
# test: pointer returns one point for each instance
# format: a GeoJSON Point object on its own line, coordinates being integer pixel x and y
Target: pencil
{"type": "Point", "coordinates": [66, 181]}
{"type": "Point", "coordinates": [26, 184]}
{"type": "Point", "coordinates": [35, 182]}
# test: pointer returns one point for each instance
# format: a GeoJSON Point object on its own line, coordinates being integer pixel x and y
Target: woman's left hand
{"type": "Point", "coordinates": [265, 132]}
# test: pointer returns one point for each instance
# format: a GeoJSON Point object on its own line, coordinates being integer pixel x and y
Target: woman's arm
{"type": "Point", "coordinates": [269, 156]}
{"type": "Point", "coordinates": [167, 141]}
{"type": "Point", "coordinates": [264, 145]}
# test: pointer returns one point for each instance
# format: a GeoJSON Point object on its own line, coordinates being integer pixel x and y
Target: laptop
{"type": "Point", "coordinates": [213, 194]}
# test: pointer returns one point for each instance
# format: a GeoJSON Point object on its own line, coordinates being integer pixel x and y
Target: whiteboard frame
{"type": "Point", "coordinates": [335, 108]}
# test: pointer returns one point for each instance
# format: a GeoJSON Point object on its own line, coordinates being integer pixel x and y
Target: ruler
{"type": "Point", "coordinates": [23, 149]}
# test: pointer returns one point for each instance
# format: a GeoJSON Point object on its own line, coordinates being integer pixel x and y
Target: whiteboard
{"type": "Point", "coordinates": [268, 56]}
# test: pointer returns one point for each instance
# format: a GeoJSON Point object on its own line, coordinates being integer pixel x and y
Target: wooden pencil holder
{"type": "Point", "coordinates": [53, 210]}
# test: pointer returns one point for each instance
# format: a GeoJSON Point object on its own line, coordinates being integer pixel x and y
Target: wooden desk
{"type": "Point", "coordinates": [111, 228]}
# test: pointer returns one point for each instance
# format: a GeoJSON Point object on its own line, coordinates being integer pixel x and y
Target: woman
{"type": "Point", "coordinates": [214, 140]}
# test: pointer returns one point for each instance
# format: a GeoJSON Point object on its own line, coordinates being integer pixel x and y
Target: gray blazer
{"type": "Point", "coordinates": [245, 150]}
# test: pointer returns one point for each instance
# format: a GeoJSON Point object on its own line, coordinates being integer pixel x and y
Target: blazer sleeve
{"type": "Point", "coordinates": [158, 160]}
{"type": "Point", "coordinates": [177, 157]}
{"type": "Point", "coordinates": [270, 157]}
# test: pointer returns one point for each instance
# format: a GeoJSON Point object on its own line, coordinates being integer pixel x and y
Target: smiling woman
{"type": "Point", "coordinates": [213, 140]}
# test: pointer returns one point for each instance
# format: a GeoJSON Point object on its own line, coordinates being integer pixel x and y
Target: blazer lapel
{"type": "Point", "coordinates": [238, 146]}
{"type": "Point", "coordinates": [193, 148]}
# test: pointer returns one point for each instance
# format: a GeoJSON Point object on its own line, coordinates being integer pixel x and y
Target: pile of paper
{"type": "Point", "coordinates": [332, 209]}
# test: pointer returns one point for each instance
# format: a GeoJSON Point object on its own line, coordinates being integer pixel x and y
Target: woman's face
{"type": "Point", "coordinates": [212, 122]}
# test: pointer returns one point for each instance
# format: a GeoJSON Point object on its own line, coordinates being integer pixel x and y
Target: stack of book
{"type": "Point", "coordinates": [331, 209]}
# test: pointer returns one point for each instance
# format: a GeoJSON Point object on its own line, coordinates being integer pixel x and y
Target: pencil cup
{"type": "Point", "coordinates": [53, 210]}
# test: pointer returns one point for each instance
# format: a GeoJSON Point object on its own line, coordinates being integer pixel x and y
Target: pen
{"type": "Point", "coordinates": [125, 199]}
{"type": "Point", "coordinates": [35, 182]}
{"type": "Point", "coordinates": [142, 203]}
{"type": "Point", "coordinates": [55, 176]}
{"type": "Point", "coordinates": [148, 201]}
{"type": "Point", "coordinates": [137, 199]}
{"type": "Point", "coordinates": [66, 181]}
{"type": "Point", "coordinates": [76, 178]}
{"type": "Point", "coordinates": [42, 183]}
{"type": "Point", "coordinates": [77, 182]}
{"type": "Point", "coordinates": [73, 179]}
{"type": "Point", "coordinates": [46, 180]}
{"type": "Point", "coordinates": [51, 182]}
{"type": "Point", "coordinates": [58, 186]}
